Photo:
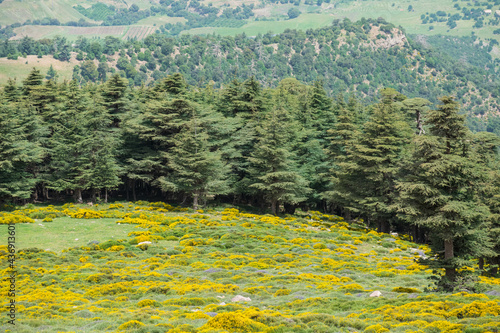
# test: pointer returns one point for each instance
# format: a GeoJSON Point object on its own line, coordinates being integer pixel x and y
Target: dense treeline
{"type": "Point", "coordinates": [400, 164]}
{"type": "Point", "coordinates": [359, 57]}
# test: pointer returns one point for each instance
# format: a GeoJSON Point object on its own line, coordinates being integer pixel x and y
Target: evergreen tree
{"type": "Point", "coordinates": [486, 151]}
{"type": "Point", "coordinates": [11, 91]}
{"type": "Point", "coordinates": [168, 112]}
{"type": "Point", "coordinates": [344, 135]}
{"type": "Point", "coordinates": [99, 165]}
{"type": "Point", "coordinates": [272, 163]}
{"type": "Point", "coordinates": [196, 170]}
{"type": "Point", "coordinates": [17, 152]}
{"type": "Point", "coordinates": [51, 74]}
{"type": "Point", "coordinates": [416, 109]}
{"type": "Point", "coordinates": [375, 160]}
{"type": "Point", "coordinates": [66, 144]}
{"type": "Point", "coordinates": [440, 191]}
{"type": "Point", "coordinates": [316, 116]}
{"type": "Point", "coordinates": [34, 79]}
{"type": "Point", "coordinates": [242, 105]}
{"type": "Point", "coordinates": [138, 152]}
{"type": "Point", "coordinates": [114, 98]}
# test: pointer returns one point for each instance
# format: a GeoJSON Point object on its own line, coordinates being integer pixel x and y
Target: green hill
{"type": "Point", "coordinates": [448, 17]}
{"type": "Point", "coordinates": [225, 270]}
{"type": "Point", "coordinates": [359, 57]}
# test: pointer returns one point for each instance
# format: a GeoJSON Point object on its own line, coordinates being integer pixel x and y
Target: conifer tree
{"type": "Point", "coordinates": [440, 191]}
{"type": "Point", "coordinates": [168, 110]}
{"type": "Point", "coordinates": [114, 98]}
{"type": "Point", "coordinates": [316, 115]}
{"type": "Point", "coordinates": [11, 91]}
{"type": "Point", "coordinates": [33, 79]}
{"type": "Point", "coordinates": [17, 152]}
{"type": "Point", "coordinates": [343, 136]}
{"type": "Point", "coordinates": [486, 152]}
{"type": "Point", "coordinates": [196, 170]}
{"type": "Point", "coordinates": [138, 151]}
{"type": "Point", "coordinates": [242, 104]}
{"type": "Point", "coordinates": [66, 146]}
{"type": "Point", "coordinates": [51, 74]}
{"type": "Point", "coordinates": [416, 109]}
{"type": "Point", "coordinates": [99, 165]}
{"type": "Point", "coordinates": [272, 163]}
{"type": "Point", "coordinates": [375, 161]}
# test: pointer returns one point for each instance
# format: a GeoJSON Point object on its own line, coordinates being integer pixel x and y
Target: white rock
{"type": "Point", "coordinates": [222, 303]}
{"type": "Point", "coordinates": [76, 238]}
{"type": "Point", "coordinates": [376, 293]}
{"type": "Point", "coordinates": [146, 242]}
{"type": "Point", "coordinates": [239, 298]}
{"type": "Point", "coordinates": [221, 296]}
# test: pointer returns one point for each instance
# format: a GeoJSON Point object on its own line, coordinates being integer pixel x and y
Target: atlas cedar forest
{"type": "Point", "coordinates": [393, 153]}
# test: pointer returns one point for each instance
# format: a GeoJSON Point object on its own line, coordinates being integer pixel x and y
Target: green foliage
{"type": "Point", "coordinates": [196, 169]}
{"type": "Point", "coordinates": [440, 189]}
{"type": "Point", "coordinates": [293, 13]}
{"type": "Point", "coordinates": [17, 152]}
{"type": "Point", "coordinates": [98, 11]}
{"type": "Point", "coordinates": [272, 163]}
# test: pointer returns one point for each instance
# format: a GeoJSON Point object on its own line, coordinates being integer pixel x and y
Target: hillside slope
{"type": "Point", "coordinates": [359, 57]}
{"type": "Point", "coordinates": [231, 271]}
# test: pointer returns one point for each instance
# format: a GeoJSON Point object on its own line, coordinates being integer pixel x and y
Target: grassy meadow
{"type": "Point", "coordinates": [92, 269]}
{"type": "Point", "coordinates": [20, 68]}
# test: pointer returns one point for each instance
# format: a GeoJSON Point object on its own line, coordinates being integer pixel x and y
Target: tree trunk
{"type": "Point", "coordinates": [78, 195]}
{"type": "Point", "coordinates": [274, 204]}
{"type": "Point", "coordinates": [105, 195]}
{"type": "Point", "coordinates": [448, 255]}
{"type": "Point", "coordinates": [133, 191]}
{"type": "Point", "coordinates": [195, 200]}
{"type": "Point", "coordinates": [127, 186]}
{"type": "Point", "coordinates": [290, 209]}
{"type": "Point", "coordinates": [386, 226]}
{"type": "Point", "coordinates": [481, 263]}
{"type": "Point", "coordinates": [347, 215]}
{"type": "Point", "coordinates": [35, 194]}
{"type": "Point", "coordinates": [414, 233]}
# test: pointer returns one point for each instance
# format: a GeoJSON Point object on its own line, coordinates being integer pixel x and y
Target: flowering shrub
{"type": "Point", "coordinates": [130, 325]}
{"type": "Point", "coordinates": [405, 290]}
{"type": "Point", "coordinates": [282, 292]}
{"type": "Point", "coordinates": [234, 322]}
{"type": "Point", "coordinates": [9, 218]}
{"type": "Point", "coordinates": [84, 214]}
{"type": "Point", "coordinates": [147, 302]}
{"type": "Point", "coordinates": [477, 309]}
{"type": "Point", "coordinates": [376, 329]}
{"type": "Point", "coordinates": [116, 248]}
{"type": "Point", "coordinates": [294, 269]}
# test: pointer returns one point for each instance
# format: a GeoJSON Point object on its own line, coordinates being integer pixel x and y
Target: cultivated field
{"type": "Point", "coordinates": [304, 21]}
{"type": "Point", "coordinates": [12, 11]}
{"type": "Point", "coordinates": [71, 33]}
{"type": "Point", "coordinates": [151, 267]}
{"type": "Point", "coordinates": [139, 32]}
{"type": "Point", "coordinates": [393, 11]}
{"type": "Point", "coordinates": [21, 67]}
